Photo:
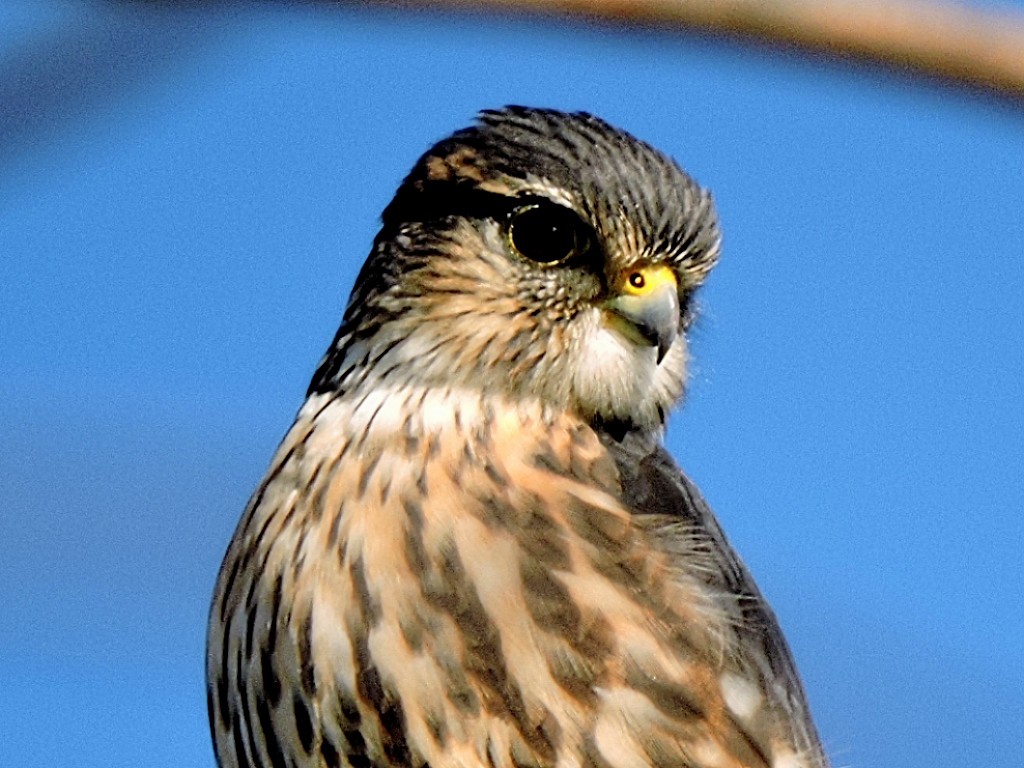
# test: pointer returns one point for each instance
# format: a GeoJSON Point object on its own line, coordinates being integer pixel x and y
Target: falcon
{"type": "Point", "coordinates": [471, 549]}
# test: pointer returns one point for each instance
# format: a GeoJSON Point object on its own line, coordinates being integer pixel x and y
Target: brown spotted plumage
{"type": "Point", "coordinates": [471, 549]}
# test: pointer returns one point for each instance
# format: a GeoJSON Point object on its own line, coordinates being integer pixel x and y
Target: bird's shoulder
{"type": "Point", "coordinates": [667, 503]}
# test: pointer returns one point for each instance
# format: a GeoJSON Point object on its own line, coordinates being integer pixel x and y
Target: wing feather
{"type": "Point", "coordinates": [665, 500]}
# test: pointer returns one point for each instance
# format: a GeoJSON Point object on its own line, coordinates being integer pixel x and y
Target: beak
{"type": "Point", "coordinates": [645, 307]}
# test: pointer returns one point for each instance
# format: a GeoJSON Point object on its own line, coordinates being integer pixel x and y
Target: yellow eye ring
{"type": "Point", "coordinates": [646, 280]}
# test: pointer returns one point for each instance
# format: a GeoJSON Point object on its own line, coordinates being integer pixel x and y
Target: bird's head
{"type": "Point", "coordinates": [536, 254]}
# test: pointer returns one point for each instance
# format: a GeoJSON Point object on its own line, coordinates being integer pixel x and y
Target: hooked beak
{"type": "Point", "coordinates": [645, 308]}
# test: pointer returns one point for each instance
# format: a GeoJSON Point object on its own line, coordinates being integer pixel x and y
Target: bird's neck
{"type": "Point", "coordinates": [387, 413]}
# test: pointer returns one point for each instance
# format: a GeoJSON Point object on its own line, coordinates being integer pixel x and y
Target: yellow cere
{"type": "Point", "coordinates": [646, 280]}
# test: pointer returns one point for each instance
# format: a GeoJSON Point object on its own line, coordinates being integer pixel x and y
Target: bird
{"type": "Point", "coordinates": [472, 549]}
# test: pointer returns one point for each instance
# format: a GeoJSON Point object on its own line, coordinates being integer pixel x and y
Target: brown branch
{"type": "Point", "coordinates": [952, 43]}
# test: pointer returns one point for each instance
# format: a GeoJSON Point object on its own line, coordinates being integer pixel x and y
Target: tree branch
{"type": "Point", "coordinates": [952, 43]}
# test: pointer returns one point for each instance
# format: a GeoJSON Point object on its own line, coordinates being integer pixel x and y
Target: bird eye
{"type": "Point", "coordinates": [547, 233]}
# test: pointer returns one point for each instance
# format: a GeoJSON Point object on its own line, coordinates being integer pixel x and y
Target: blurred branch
{"type": "Point", "coordinates": [85, 63]}
{"type": "Point", "coordinates": [949, 42]}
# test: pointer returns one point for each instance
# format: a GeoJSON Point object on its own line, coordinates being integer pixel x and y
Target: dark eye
{"type": "Point", "coordinates": [547, 233]}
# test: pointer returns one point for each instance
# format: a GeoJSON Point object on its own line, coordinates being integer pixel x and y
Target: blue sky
{"type": "Point", "coordinates": [183, 208]}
